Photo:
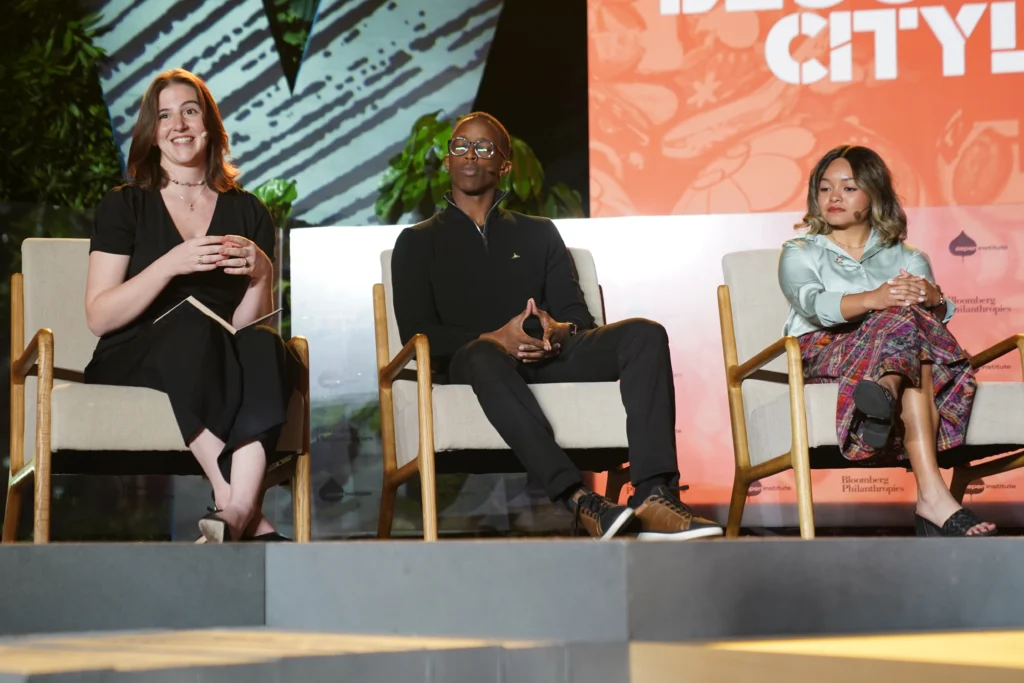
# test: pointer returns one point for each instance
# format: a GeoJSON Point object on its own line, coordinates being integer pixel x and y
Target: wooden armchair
{"type": "Point", "coordinates": [779, 424]}
{"type": "Point", "coordinates": [69, 427]}
{"type": "Point", "coordinates": [428, 428]}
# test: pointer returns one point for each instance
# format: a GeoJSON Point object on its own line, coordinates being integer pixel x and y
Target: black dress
{"type": "Point", "coordinates": [237, 386]}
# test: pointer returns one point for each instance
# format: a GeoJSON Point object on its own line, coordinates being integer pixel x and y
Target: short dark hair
{"type": "Point", "coordinates": [144, 156]}
{"type": "Point", "coordinates": [505, 141]}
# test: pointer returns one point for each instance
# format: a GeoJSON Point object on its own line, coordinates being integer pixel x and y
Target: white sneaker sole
{"type": "Point", "coordinates": [617, 525]}
{"type": "Point", "coordinates": [707, 532]}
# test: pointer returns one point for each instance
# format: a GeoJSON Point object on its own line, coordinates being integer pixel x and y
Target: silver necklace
{"type": "Point", "coordinates": [191, 204]}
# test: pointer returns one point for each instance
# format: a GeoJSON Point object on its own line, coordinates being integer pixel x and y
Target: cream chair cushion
{"type": "Point", "coordinates": [95, 417]}
{"type": "Point", "coordinates": [759, 311]}
{"type": "Point", "coordinates": [582, 415]}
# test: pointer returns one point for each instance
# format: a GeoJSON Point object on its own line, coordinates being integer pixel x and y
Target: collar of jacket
{"type": "Point", "coordinates": [499, 195]}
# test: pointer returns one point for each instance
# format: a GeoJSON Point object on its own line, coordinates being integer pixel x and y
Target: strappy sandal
{"type": "Point", "coordinates": [879, 406]}
{"type": "Point", "coordinates": [958, 524]}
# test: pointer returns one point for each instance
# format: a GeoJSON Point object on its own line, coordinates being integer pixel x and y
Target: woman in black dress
{"type": "Point", "coordinates": [183, 227]}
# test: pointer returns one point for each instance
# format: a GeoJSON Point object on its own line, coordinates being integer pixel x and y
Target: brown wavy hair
{"type": "Point", "coordinates": [873, 177]}
{"type": "Point", "coordinates": [144, 156]}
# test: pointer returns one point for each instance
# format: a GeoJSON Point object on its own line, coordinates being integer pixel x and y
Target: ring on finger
{"type": "Point", "coordinates": [245, 261]}
{"type": "Point", "coordinates": [200, 260]}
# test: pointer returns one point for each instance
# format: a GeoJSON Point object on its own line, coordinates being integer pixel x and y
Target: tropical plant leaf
{"type": "Point", "coordinates": [441, 138]}
{"type": "Point", "coordinates": [390, 176]}
{"type": "Point", "coordinates": [413, 192]}
{"type": "Point", "coordinates": [278, 195]}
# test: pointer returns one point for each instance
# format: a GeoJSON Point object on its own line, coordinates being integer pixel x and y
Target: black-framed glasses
{"type": "Point", "coordinates": [483, 147]}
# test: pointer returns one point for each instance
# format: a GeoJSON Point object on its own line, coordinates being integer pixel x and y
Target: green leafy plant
{"type": "Point", "coordinates": [278, 195]}
{"type": "Point", "coordinates": [58, 146]}
{"type": "Point", "coordinates": [416, 179]}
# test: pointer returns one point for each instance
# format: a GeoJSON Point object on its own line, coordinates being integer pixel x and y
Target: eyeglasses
{"type": "Point", "coordinates": [483, 147]}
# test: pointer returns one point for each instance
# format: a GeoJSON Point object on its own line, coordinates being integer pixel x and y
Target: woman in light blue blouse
{"type": "Point", "coordinates": [869, 317]}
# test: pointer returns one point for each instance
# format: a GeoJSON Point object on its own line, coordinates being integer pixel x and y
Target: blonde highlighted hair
{"type": "Point", "coordinates": [873, 177]}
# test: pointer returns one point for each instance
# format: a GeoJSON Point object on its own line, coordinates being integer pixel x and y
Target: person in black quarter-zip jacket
{"type": "Point", "coordinates": [497, 296]}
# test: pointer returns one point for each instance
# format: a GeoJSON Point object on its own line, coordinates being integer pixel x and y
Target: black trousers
{"type": "Point", "coordinates": [635, 352]}
{"type": "Point", "coordinates": [237, 386]}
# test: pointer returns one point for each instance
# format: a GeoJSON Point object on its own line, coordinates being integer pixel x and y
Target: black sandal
{"type": "Point", "coordinates": [215, 529]}
{"type": "Point", "coordinates": [270, 536]}
{"type": "Point", "coordinates": [958, 524]}
{"type": "Point", "coordinates": [879, 406]}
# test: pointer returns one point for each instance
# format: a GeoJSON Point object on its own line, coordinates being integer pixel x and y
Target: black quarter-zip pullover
{"type": "Point", "coordinates": [453, 281]}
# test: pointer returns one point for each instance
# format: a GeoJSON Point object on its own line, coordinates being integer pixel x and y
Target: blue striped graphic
{"type": "Point", "coordinates": [370, 69]}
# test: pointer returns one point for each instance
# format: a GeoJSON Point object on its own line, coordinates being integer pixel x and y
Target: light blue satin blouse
{"type": "Point", "coordinates": [815, 273]}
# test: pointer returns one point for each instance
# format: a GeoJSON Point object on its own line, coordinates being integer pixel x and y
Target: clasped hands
{"type": "Point", "coordinates": [906, 289]}
{"type": "Point", "coordinates": [522, 346]}
{"type": "Point", "coordinates": [236, 255]}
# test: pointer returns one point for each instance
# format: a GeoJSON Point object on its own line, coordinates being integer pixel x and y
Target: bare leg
{"type": "Point", "coordinates": [248, 465]}
{"type": "Point", "coordinates": [207, 448]}
{"type": "Point", "coordinates": [921, 422]}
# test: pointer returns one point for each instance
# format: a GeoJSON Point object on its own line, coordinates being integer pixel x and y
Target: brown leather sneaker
{"type": "Point", "coordinates": [599, 516]}
{"type": "Point", "coordinates": [664, 518]}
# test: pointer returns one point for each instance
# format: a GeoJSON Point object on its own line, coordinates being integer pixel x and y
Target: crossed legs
{"type": "Point", "coordinates": [921, 422]}
{"type": "Point", "coordinates": [237, 501]}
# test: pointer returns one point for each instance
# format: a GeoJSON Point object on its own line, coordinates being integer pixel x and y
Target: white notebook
{"type": "Point", "coordinates": [224, 323]}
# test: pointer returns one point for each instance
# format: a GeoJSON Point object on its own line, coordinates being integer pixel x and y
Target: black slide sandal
{"type": "Point", "coordinates": [958, 524]}
{"type": "Point", "coordinates": [879, 406]}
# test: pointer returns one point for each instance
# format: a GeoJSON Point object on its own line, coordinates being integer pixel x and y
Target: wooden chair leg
{"type": "Point", "coordinates": [740, 487]}
{"type": "Point", "coordinates": [617, 480]}
{"type": "Point", "coordinates": [428, 494]}
{"type": "Point", "coordinates": [386, 518]}
{"type": "Point", "coordinates": [12, 514]}
{"type": "Point", "coordinates": [804, 497]}
{"type": "Point", "coordinates": [41, 517]}
{"type": "Point", "coordinates": [962, 478]}
{"type": "Point", "coordinates": [301, 499]}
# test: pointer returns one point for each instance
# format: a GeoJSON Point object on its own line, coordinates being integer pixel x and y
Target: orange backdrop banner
{"type": "Point", "coordinates": [723, 106]}
{"type": "Point", "coordinates": [715, 111]}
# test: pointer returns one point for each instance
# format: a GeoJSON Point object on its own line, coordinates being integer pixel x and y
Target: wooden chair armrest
{"type": "Point", "coordinates": [998, 350]}
{"type": "Point", "coordinates": [417, 349]}
{"type": "Point", "coordinates": [786, 345]}
{"type": "Point", "coordinates": [40, 346]}
{"type": "Point", "coordinates": [300, 347]}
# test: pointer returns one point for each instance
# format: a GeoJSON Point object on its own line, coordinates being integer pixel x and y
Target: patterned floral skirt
{"type": "Point", "coordinates": [896, 340]}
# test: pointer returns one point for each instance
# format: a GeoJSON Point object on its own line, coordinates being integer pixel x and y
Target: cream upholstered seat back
{"type": "Point", "coordinates": [54, 273]}
{"type": "Point", "coordinates": [759, 309]}
{"type": "Point", "coordinates": [759, 312]}
{"type": "Point", "coordinates": [585, 269]}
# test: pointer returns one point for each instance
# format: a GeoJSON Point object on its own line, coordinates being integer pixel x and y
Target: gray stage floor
{"type": "Point", "coordinates": [550, 610]}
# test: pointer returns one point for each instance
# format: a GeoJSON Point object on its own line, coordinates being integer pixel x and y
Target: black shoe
{"type": "Point", "coordinates": [215, 529]}
{"type": "Point", "coordinates": [879, 406]}
{"type": "Point", "coordinates": [271, 536]}
{"type": "Point", "coordinates": [599, 516]}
